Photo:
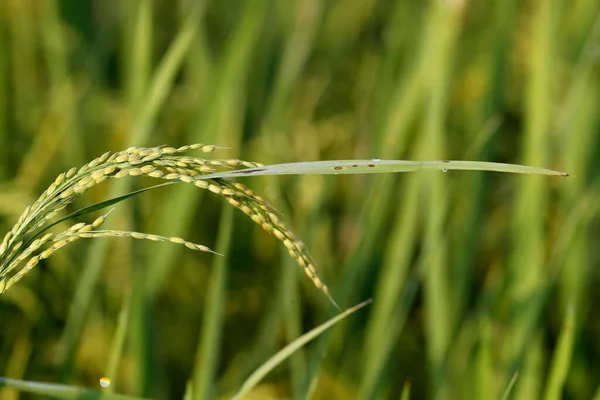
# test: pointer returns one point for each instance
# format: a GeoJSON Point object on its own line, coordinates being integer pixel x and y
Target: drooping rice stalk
{"type": "Point", "coordinates": [29, 235]}
{"type": "Point", "coordinates": [29, 242]}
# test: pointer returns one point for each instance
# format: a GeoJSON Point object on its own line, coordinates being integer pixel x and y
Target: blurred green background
{"type": "Point", "coordinates": [484, 284]}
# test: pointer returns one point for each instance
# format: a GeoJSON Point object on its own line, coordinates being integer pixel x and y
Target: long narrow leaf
{"type": "Point", "coordinates": [376, 166]}
{"type": "Point", "coordinates": [510, 386]}
{"type": "Point", "coordinates": [63, 392]}
{"type": "Point", "coordinates": [103, 204]}
{"type": "Point", "coordinates": [288, 350]}
{"type": "Point", "coordinates": [563, 354]}
{"type": "Point", "coordinates": [406, 391]}
{"type": "Point", "coordinates": [94, 207]}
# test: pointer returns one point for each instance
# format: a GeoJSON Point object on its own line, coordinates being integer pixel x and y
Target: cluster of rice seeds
{"type": "Point", "coordinates": [258, 210]}
{"type": "Point", "coordinates": [140, 236]}
{"type": "Point", "coordinates": [156, 162]}
{"type": "Point", "coordinates": [75, 182]}
{"type": "Point", "coordinates": [265, 215]}
{"type": "Point", "coordinates": [201, 165]}
{"type": "Point", "coordinates": [59, 241]}
{"type": "Point", "coordinates": [86, 231]}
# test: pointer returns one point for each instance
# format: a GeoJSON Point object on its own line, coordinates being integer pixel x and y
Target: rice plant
{"type": "Point", "coordinates": [482, 283]}
{"type": "Point", "coordinates": [29, 242]}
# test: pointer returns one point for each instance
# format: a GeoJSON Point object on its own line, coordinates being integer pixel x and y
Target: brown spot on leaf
{"type": "Point", "coordinates": [248, 171]}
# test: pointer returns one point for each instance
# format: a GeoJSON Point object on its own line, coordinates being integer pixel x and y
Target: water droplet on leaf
{"type": "Point", "coordinates": [104, 382]}
{"type": "Point", "coordinates": [444, 170]}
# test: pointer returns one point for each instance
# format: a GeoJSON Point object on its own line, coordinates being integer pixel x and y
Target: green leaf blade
{"type": "Point", "coordinates": [287, 351]}
{"type": "Point", "coordinates": [376, 166]}
{"type": "Point", "coordinates": [63, 392]}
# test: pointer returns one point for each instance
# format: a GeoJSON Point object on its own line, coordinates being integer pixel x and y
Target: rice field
{"type": "Point", "coordinates": [481, 283]}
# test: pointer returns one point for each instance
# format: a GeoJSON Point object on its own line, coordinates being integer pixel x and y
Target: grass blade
{"type": "Point", "coordinates": [63, 392]}
{"type": "Point", "coordinates": [376, 166]}
{"type": "Point", "coordinates": [118, 343]}
{"type": "Point", "coordinates": [531, 209]}
{"type": "Point", "coordinates": [390, 290]}
{"type": "Point", "coordinates": [510, 386]}
{"type": "Point", "coordinates": [101, 205]}
{"type": "Point", "coordinates": [207, 357]}
{"type": "Point", "coordinates": [94, 207]}
{"type": "Point", "coordinates": [562, 358]}
{"type": "Point", "coordinates": [406, 391]}
{"type": "Point", "coordinates": [287, 351]}
{"type": "Point", "coordinates": [159, 88]}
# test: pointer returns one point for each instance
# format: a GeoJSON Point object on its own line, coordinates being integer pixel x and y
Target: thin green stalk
{"type": "Point", "coordinates": [25, 68]}
{"type": "Point", "coordinates": [207, 356]}
{"type": "Point", "coordinates": [159, 88]}
{"type": "Point", "coordinates": [443, 31]}
{"type": "Point", "coordinates": [17, 362]}
{"type": "Point", "coordinates": [300, 40]}
{"type": "Point", "coordinates": [527, 260]}
{"type": "Point", "coordinates": [291, 348]}
{"type": "Point", "coordinates": [485, 385]}
{"type": "Point", "coordinates": [220, 124]}
{"type": "Point", "coordinates": [117, 345]}
{"type": "Point", "coordinates": [199, 64]}
{"type": "Point", "coordinates": [577, 126]}
{"type": "Point", "coordinates": [292, 318]}
{"type": "Point", "coordinates": [62, 392]}
{"type": "Point", "coordinates": [299, 43]}
{"type": "Point", "coordinates": [389, 289]}
{"type": "Point", "coordinates": [510, 387]}
{"type": "Point", "coordinates": [262, 343]}
{"type": "Point", "coordinates": [562, 357]}
{"type": "Point", "coordinates": [139, 66]}
{"type": "Point", "coordinates": [139, 54]}
{"type": "Point", "coordinates": [223, 108]}
{"type": "Point", "coordinates": [391, 122]}
{"type": "Point", "coordinates": [62, 93]}
{"type": "Point", "coordinates": [57, 125]}
{"type": "Point", "coordinates": [406, 391]}
{"type": "Point", "coordinates": [485, 109]}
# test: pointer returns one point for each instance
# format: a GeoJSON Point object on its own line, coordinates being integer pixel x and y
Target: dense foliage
{"type": "Point", "coordinates": [481, 282]}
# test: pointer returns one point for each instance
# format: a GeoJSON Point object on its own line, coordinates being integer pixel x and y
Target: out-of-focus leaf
{"type": "Point", "coordinates": [63, 392]}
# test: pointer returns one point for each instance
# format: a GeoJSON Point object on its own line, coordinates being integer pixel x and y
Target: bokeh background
{"type": "Point", "coordinates": [483, 284]}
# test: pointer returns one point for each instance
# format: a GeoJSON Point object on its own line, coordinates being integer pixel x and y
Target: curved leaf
{"type": "Point", "coordinates": [291, 348]}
